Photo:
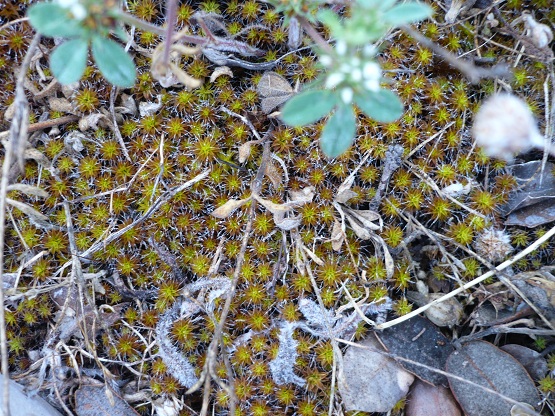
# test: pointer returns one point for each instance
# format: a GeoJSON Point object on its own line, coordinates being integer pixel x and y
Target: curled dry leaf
{"type": "Point", "coordinates": [28, 190]}
{"type": "Point", "coordinates": [28, 210]}
{"type": "Point", "coordinates": [446, 313]}
{"type": "Point", "coordinates": [286, 224]}
{"type": "Point", "coordinates": [362, 221]}
{"type": "Point", "coordinates": [168, 73]}
{"type": "Point", "coordinates": [128, 105]}
{"type": "Point", "coordinates": [370, 381]}
{"type": "Point", "coordinates": [90, 121]}
{"type": "Point", "coordinates": [344, 192]}
{"type": "Point", "coordinates": [273, 207]}
{"type": "Point", "coordinates": [40, 158]}
{"type": "Point", "coordinates": [219, 71]}
{"type": "Point", "coordinates": [73, 142]}
{"type": "Point", "coordinates": [229, 207]}
{"type": "Point", "coordinates": [303, 196]}
{"type": "Point", "coordinates": [148, 108]}
{"type": "Point", "coordinates": [62, 105]}
{"type": "Point", "coordinates": [427, 400]}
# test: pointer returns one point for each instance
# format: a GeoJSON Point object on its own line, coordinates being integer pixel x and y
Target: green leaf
{"type": "Point", "coordinates": [51, 19]}
{"type": "Point", "coordinates": [339, 131]}
{"type": "Point", "coordinates": [114, 63]}
{"type": "Point", "coordinates": [68, 61]}
{"type": "Point", "coordinates": [330, 19]}
{"type": "Point", "coordinates": [308, 107]}
{"type": "Point", "coordinates": [405, 13]}
{"type": "Point", "coordinates": [383, 105]}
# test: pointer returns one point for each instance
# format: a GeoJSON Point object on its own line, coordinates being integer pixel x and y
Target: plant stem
{"type": "Point", "coordinates": [18, 129]}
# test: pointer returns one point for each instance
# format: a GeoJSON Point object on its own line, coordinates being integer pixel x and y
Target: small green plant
{"type": "Point", "coordinates": [352, 75]}
{"type": "Point", "coordinates": [84, 23]}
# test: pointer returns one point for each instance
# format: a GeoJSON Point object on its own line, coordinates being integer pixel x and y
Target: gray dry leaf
{"type": "Point", "coordinates": [533, 204]}
{"type": "Point", "coordinates": [274, 89]}
{"type": "Point", "coordinates": [370, 381]}
{"type": "Point", "coordinates": [427, 400]}
{"type": "Point", "coordinates": [531, 360]}
{"type": "Point", "coordinates": [101, 401]}
{"type": "Point", "coordinates": [28, 190]}
{"type": "Point", "coordinates": [486, 365]}
{"type": "Point", "coordinates": [32, 213]}
{"type": "Point", "coordinates": [418, 340]}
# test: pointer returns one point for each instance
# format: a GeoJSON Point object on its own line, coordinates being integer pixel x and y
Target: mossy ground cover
{"type": "Point", "coordinates": [133, 280]}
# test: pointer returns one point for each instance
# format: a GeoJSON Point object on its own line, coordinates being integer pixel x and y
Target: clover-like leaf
{"type": "Point", "coordinates": [339, 131]}
{"type": "Point", "coordinates": [68, 61]}
{"type": "Point", "coordinates": [406, 13]}
{"type": "Point", "coordinates": [51, 19]}
{"type": "Point", "coordinates": [114, 63]}
{"type": "Point", "coordinates": [382, 105]}
{"type": "Point", "coordinates": [308, 107]}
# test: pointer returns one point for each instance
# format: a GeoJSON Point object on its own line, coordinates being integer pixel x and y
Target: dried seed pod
{"type": "Point", "coordinates": [492, 244]}
{"type": "Point", "coordinates": [504, 125]}
{"type": "Point", "coordinates": [446, 313]}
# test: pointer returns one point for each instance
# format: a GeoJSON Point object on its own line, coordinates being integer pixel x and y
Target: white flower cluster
{"type": "Point", "coordinates": [347, 71]}
{"type": "Point", "coordinates": [76, 8]}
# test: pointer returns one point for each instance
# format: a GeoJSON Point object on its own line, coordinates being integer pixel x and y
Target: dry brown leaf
{"type": "Point", "coordinates": [337, 235]}
{"type": "Point", "coordinates": [90, 121]}
{"type": "Point", "coordinates": [344, 196]}
{"type": "Point", "coordinates": [273, 174]}
{"type": "Point", "coordinates": [361, 232]}
{"type": "Point", "coordinates": [62, 105]}
{"type": "Point", "coordinates": [40, 158]}
{"type": "Point", "coordinates": [273, 207]}
{"type": "Point", "coordinates": [229, 207]}
{"type": "Point", "coordinates": [427, 400]}
{"type": "Point", "coordinates": [274, 90]}
{"type": "Point", "coordinates": [245, 150]}
{"type": "Point", "coordinates": [148, 108]}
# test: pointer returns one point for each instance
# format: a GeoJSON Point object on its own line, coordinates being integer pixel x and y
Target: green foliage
{"type": "Point", "coordinates": [112, 60]}
{"type": "Point", "coordinates": [83, 23]}
{"type": "Point", "coordinates": [51, 20]}
{"type": "Point", "coordinates": [352, 74]}
{"type": "Point", "coordinates": [308, 107]}
{"type": "Point", "coordinates": [339, 132]}
{"type": "Point", "coordinates": [69, 60]}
